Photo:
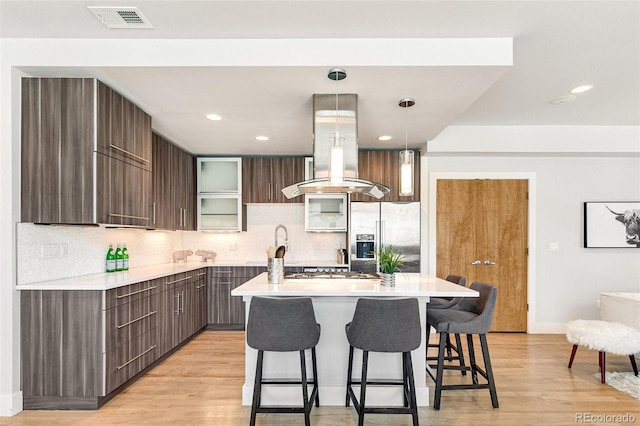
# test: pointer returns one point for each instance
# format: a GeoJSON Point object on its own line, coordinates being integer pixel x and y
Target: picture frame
{"type": "Point", "coordinates": [612, 224]}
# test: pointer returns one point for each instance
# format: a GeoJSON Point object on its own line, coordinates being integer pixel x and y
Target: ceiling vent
{"type": "Point", "coordinates": [120, 17]}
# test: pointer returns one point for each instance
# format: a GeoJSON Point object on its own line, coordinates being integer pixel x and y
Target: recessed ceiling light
{"type": "Point", "coordinates": [262, 138]}
{"type": "Point", "coordinates": [562, 99]}
{"type": "Point", "coordinates": [213, 117]}
{"type": "Point", "coordinates": [582, 89]}
{"type": "Point", "coordinates": [384, 138]}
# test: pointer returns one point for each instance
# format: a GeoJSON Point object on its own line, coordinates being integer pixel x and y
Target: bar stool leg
{"type": "Point", "coordinates": [472, 359]}
{"type": "Point", "coordinates": [405, 384]}
{"type": "Point", "coordinates": [349, 371]}
{"type": "Point", "coordinates": [305, 391]}
{"type": "Point", "coordinates": [363, 387]}
{"type": "Point", "coordinates": [601, 357]}
{"type": "Point", "coordinates": [256, 388]}
{"type": "Point", "coordinates": [573, 355]}
{"type": "Point", "coordinates": [489, 370]}
{"type": "Point", "coordinates": [315, 375]}
{"type": "Point", "coordinates": [460, 354]}
{"type": "Point", "coordinates": [413, 403]}
{"type": "Point", "coordinates": [440, 370]}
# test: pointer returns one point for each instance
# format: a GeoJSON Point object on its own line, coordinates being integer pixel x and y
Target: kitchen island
{"type": "Point", "coordinates": [334, 302]}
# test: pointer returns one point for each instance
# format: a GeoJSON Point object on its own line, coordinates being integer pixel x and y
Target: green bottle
{"type": "Point", "coordinates": [118, 257]}
{"type": "Point", "coordinates": [111, 259]}
{"type": "Point", "coordinates": [125, 258]}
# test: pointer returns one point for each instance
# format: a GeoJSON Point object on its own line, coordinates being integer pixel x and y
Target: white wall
{"type": "Point", "coordinates": [566, 283]}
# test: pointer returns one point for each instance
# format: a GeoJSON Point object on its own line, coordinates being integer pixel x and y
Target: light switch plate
{"type": "Point", "coordinates": [554, 246]}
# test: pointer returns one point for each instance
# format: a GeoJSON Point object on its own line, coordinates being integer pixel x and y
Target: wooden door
{"type": "Point", "coordinates": [482, 235]}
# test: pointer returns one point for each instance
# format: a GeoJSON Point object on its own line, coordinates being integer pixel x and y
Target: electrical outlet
{"type": "Point", "coordinates": [554, 246]}
{"type": "Point", "coordinates": [49, 251]}
{"type": "Point", "coordinates": [64, 250]}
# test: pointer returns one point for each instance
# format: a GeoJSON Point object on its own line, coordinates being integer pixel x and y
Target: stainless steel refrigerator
{"type": "Point", "coordinates": [372, 224]}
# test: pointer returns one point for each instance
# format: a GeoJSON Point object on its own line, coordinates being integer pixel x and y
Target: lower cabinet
{"type": "Point", "coordinates": [226, 312]}
{"type": "Point", "coordinates": [78, 347]}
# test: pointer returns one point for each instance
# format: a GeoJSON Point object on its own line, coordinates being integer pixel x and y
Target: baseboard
{"type": "Point", "coordinates": [10, 405]}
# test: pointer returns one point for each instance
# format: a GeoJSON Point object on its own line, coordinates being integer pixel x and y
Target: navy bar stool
{"type": "Point", "coordinates": [384, 325]}
{"type": "Point", "coordinates": [284, 325]}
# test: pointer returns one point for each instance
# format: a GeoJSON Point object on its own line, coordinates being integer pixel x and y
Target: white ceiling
{"type": "Point", "coordinates": [557, 45]}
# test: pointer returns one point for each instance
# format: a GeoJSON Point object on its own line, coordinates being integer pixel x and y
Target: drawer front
{"type": "Point", "coordinates": [127, 360]}
{"type": "Point", "coordinates": [125, 322]}
{"type": "Point", "coordinates": [174, 281]}
{"type": "Point", "coordinates": [222, 274]}
{"type": "Point", "coordinates": [129, 293]}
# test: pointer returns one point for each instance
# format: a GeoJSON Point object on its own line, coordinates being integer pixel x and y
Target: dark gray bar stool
{"type": "Point", "coordinates": [470, 316]}
{"type": "Point", "coordinates": [446, 303]}
{"type": "Point", "coordinates": [384, 325]}
{"type": "Point", "coordinates": [284, 325]}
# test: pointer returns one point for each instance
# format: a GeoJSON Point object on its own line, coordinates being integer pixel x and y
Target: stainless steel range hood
{"type": "Point", "coordinates": [331, 122]}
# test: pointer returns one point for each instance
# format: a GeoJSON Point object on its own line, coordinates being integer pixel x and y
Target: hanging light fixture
{"type": "Point", "coordinates": [406, 156]}
{"type": "Point", "coordinates": [336, 138]}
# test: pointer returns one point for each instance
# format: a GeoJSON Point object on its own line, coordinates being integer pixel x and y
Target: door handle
{"type": "Point", "coordinates": [476, 263]}
{"type": "Point", "coordinates": [488, 262]}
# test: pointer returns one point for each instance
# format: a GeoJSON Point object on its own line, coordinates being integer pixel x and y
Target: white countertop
{"type": "Point", "coordinates": [107, 281]}
{"type": "Point", "coordinates": [407, 285]}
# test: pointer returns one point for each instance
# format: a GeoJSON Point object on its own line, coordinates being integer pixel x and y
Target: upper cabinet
{"type": "Point", "coordinates": [124, 130]}
{"type": "Point", "coordinates": [264, 177]}
{"type": "Point", "coordinates": [219, 175]}
{"type": "Point", "coordinates": [384, 167]}
{"type": "Point", "coordinates": [86, 154]}
{"type": "Point", "coordinates": [219, 205]}
{"type": "Point", "coordinates": [174, 187]}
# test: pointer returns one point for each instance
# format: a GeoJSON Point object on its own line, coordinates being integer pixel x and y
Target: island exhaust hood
{"type": "Point", "coordinates": [335, 139]}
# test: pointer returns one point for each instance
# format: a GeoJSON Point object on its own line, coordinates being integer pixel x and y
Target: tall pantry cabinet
{"type": "Point", "coordinates": [86, 154]}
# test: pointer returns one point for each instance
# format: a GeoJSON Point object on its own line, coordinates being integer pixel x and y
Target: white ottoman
{"type": "Point", "coordinates": [604, 336]}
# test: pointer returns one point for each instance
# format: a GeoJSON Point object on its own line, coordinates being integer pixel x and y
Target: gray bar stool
{"type": "Point", "coordinates": [446, 303]}
{"type": "Point", "coordinates": [470, 316]}
{"type": "Point", "coordinates": [284, 325]}
{"type": "Point", "coordinates": [384, 325]}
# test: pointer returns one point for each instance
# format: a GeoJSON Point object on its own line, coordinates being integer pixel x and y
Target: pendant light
{"type": "Point", "coordinates": [336, 138]}
{"type": "Point", "coordinates": [406, 156]}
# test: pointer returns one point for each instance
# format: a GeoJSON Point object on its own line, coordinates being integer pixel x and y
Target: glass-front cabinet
{"type": "Point", "coordinates": [220, 212]}
{"type": "Point", "coordinates": [325, 212]}
{"type": "Point", "coordinates": [219, 175]}
{"type": "Point", "coordinates": [220, 205]}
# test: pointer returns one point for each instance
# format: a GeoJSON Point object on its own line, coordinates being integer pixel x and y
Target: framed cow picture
{"type": "Point", "coordinates": [612, 224]}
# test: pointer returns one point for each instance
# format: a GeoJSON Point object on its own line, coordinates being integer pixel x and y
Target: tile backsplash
{"type": "Point", "coordinates": [83, 249]}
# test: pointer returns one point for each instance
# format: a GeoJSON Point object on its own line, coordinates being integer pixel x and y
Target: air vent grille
{"type": "Point", "coordinates": [121, 17]}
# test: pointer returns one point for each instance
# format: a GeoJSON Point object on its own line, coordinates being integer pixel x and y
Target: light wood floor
{"type": "Point", "coordinates": [201, 384]}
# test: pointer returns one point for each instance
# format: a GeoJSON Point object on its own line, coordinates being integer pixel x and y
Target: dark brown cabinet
{"type": "Point", "coordinates": [173, 187]}
{"type": "Point", "coordinates": [264, 177]}
{"type": "Point", "coordinates": [226, 312]}
{"type": "Point", "coordinates": [86, 154]}
{"type": "Point", "coordinates": [384, 167]}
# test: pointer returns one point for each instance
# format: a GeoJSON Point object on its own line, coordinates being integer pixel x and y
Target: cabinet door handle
{"type": "Point", "coordinates": [201, 274]}
{"type": "Point", "coordinates": [177, 281]}
{"type": "Point", "coordinates": [269, 193]}
{"type": "Point", "coordinates": [177, 311]}
{"type": "Point", "coordinates": [153, 210]}
{"type": "Point", "coordinates": [131, 154]}
{"type": "Point", "coordinates": [119, 367]}
{"type": "Point", "coordinates": [201, 286]}
{"type": "Point", "coordinates": [128, 216]}
{"type": "Point", "coordinates": [182, 302]}
{"type": "Point", "coordinates": [137, 319]}
{"type": "Point", "coordinates": [121, 296]}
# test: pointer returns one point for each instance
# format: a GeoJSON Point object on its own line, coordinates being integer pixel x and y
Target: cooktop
{"type": "Point", "coordinates": [335, 275]}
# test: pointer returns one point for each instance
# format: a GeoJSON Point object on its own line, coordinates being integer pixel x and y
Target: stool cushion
{"type": "Point", "coordinates": [604, 336]}
{"type": "Point", "coordinates": [282, 325]}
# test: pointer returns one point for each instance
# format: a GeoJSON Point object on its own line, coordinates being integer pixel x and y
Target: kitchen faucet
{"type": "Point", "coordinates": [286, 237]}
